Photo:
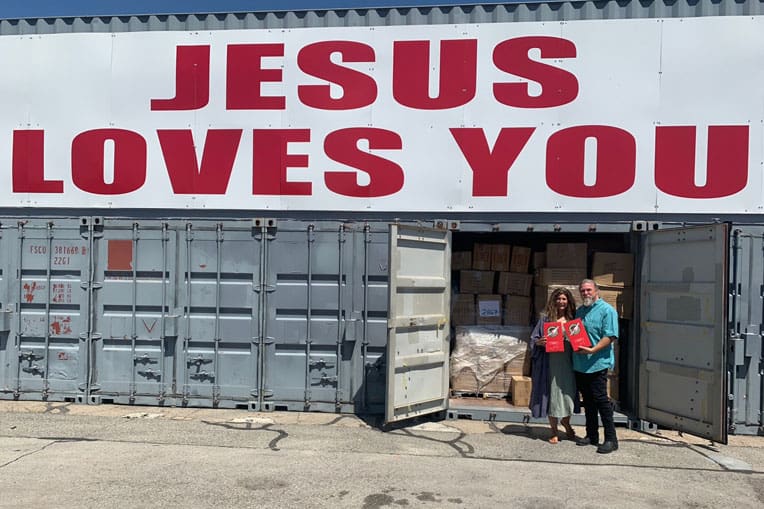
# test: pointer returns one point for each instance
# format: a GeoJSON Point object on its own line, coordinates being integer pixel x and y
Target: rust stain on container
{"type": "Point", "coordinates": [120, 255]}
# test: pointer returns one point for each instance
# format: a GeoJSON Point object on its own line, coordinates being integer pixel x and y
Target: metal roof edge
{"type": "Point", "coordinates": [403, 7]}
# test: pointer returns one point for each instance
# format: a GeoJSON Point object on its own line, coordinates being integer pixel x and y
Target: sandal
{"type": "Point", "coordinates": [554, 440]}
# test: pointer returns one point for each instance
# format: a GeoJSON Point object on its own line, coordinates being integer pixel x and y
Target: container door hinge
{"type": "Point", "coordinates": [151, 374]}
{"type": "Point", "coordinates": [320, 364]}
{"type": "Point", "coordinates": [33, 369]}
{"type": "Point", "coordinates": [30, 356]}
{"type": "Point", "coordinates": [325, 380]}
{"type": "Point", "coordinates": [202, 375]}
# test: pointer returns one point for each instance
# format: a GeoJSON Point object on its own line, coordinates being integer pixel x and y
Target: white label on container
{"type": "Point", "coordinates": [489, 308]}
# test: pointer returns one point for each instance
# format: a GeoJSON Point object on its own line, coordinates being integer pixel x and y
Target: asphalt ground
{"type": "Point", "coordinates": [68, 455]}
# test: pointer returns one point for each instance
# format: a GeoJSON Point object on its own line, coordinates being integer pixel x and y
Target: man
{"type": "Point", "coordinates": [592, 363]}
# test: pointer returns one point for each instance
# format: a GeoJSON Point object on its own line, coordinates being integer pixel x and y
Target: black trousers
{"type": "Point", "coordinates": [593, 388]}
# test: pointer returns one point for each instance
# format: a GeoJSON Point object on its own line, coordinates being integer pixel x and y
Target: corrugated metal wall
{"type": "Point", "coordinates": [553, 11]}
{"type": "Point", "coordinates": [198, 313]}
{"type": "Point", "coordinates": [746, 346]}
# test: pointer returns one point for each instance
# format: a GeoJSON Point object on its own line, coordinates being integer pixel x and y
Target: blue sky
{"type": "Point", "coordinates": [10, 9]}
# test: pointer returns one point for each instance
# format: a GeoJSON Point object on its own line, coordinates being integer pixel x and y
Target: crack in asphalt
{"type": "Point", "coordinates": [451, 443]}
{"type": "Point", "coordinates": [272, 445]}
{"type": "Point", "coordinates": [28, 454]}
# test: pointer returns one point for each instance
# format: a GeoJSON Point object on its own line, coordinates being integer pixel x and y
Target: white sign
{"type": "Point", "coordinates": [489, 308]}
{"type": "Point", "coordinates": [636, 116]}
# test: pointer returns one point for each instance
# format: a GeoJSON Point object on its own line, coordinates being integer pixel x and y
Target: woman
{"type": "Point", "coordinates": [553, 389]}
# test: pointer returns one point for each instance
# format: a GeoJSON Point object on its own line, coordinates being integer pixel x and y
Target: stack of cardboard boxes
{"type": "Point", "coordinates": [493, 301]}
{"type": "Point", "coordinates": [564, 266]}
{"type": "Point", "coordinates": [494, 285]}
{"type": "Point", "coordinates": [486, 359]}
{"type": "Point", "coordinates": [614, 274]}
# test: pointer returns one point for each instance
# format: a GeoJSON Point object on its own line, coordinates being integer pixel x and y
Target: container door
{"type": "Point", "coordinates": [310, 270]}
{"type": "Point", "coordinates": [219, 329]}
{"type": "Point", "coordinates": [6, 311]}
{"type": "Point", "coordinates": [51, 326]}
{"type": "Point", "coordinates": [418, 322]}
{"type": "Point", "coordinates": [135, 312]}
{"type": "Point", "coordinates": [745, 348]}
{"type": "Point", "coordinates": [683, 330]}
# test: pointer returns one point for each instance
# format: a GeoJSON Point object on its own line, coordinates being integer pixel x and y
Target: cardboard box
{"type": "Point", "coordinates": [461, 260]}
{"type": "Point", "coordinates": [622, 299]}
{"type": "Point", "coordinates": [517, 310]}
{"type": "Point", "coordinates": [481, 256]}
{"type": "Point", "coordinates": [520, 388]}
{"type": "Point", "coordinates": [476, 281]}
{"type": "Point", "coordinates": [462, 309]}
{"type": "Point", "coordinates": [520, 260]}
{"type": "Point", "coordinates": [541, 295]}
{"type": "Point", "coordinates": [566, 255]}
{"type": "Point", "coordinates": [560, 277]}
{"type": "Point", "coordinates": [539, 259]}
{"type": "Point", "coordinates": [613, 269]}
{"type": "Point", "coordinates": [488, 310]}
{"type": "Point", "coordinates": [466, 381]}
{"type": "Point", "coordinates": [539, 299]}
{"type": "Point", "coordinates": [511, 283]}
{"type": "Point", "coordinates": [520, 365]}
{"type": "Point", "coordinates": [500, 256]}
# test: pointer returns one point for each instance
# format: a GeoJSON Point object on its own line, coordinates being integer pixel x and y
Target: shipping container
{"type": "Point", "coordinates": [209, 210]}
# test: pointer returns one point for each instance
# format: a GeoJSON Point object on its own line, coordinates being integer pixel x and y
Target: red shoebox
{"type": "Point", "coordinates": [577, 334]}
{"type": "Point", "coordinates": [554, 337]}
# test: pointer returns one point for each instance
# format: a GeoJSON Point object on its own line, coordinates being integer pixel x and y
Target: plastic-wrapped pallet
{"type": "Point", "coordinates": [484, 356]}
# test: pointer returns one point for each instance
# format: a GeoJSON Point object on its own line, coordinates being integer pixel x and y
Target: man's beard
{"type": "Point", "coordinates": [588, 301]}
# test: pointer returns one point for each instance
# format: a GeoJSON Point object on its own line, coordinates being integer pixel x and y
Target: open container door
{"type": "Point", "coordinates": [683, 327]}
{"type": "Point", "coordinates": [418, 322]}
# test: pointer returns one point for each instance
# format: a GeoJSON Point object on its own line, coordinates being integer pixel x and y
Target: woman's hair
{"type": "Point", "coordinates": [551, 308]}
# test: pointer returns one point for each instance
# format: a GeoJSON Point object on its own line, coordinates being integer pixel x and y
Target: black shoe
{"type": "Point", "coordinates": [587, 441]}
{"type": "Point", "coordinates": [607, 447]}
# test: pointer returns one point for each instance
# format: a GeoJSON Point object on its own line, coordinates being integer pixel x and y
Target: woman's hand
{"type": "Point", "coordinates": [585, 349]}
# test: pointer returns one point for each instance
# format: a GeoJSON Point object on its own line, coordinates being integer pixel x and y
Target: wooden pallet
{"type": "Point", "coordinates": [484, 395]}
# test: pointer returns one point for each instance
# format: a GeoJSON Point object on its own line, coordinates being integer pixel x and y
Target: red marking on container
{"type": "Point", "coordinates": [120, 255]}
{"type": "Point", "coordinates": [29, 291]}
{"type": "Point", "coordinates": [149, 329]}
{"type": "Point", "coordinates": [63, 326]}
{"type": "Point", "coordinates": [61, 293]}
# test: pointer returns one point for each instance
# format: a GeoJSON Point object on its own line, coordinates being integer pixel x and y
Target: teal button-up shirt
{"type": "Point", "coordinates": [600, 320]}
